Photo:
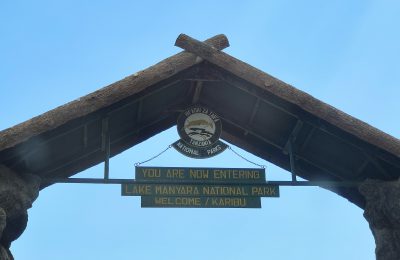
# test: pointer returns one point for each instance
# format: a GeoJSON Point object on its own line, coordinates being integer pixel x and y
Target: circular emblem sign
{"type": "Point", "coordinates": [199, 127]}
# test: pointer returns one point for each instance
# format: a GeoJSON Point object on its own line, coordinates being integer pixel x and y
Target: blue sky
{"type": "Point", "coordinates": [343, 52]}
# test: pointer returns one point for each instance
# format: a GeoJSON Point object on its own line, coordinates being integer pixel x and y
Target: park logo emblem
{"type": "Point", "coordinates": [199, 129]}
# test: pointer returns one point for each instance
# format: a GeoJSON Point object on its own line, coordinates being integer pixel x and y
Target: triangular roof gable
{"type": "Point", "coordinates": [260, 114]}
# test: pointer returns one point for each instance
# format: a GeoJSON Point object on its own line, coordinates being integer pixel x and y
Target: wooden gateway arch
{"type": "Point", "coordinates": [260, 114]}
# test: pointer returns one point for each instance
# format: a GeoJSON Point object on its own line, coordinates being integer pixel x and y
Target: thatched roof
{"type": "Point", "coordinates": [295, 96]}
{"type": "Point", "coordinates": [103, 97]}
{"type": "Point", "coordinates": [260, 113]}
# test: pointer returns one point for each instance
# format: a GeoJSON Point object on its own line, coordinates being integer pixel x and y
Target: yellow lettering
{"type": "Point", "coordinates": [198, 174]}
{"type": "Point", "coordinates": [151, 173]}
{"type": "Point", "coordinates": [141, 189]}
{"type": "Point", "coordinates": [263, 191]}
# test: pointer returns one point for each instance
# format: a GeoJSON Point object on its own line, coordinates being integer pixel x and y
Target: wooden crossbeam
{"type": "Point", "coordinates": [198, 86]}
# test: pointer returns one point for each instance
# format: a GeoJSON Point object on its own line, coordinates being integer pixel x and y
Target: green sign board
{"type": "Point", "coordinates": [200, 202]}
{"type": "Point", "coordinates": [226, 175]}
{"type": "Point", "coordinates": [200, 190]}
{"type": "Point", "coordinates": [193, 187]}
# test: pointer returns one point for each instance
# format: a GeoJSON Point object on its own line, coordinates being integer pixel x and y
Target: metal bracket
{"type": "Point", "coordinates": [105, 146]}
{"type": "Point", "coordinates": [289, 148]}
{"type": "Point", "coordinates": [292, 161]}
